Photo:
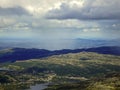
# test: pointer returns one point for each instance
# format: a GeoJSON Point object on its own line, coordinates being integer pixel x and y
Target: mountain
{"type": "Point", "coordinates": [84, 64]}
{"type": "Point", "coordinates": [57, 44]}
{"type": "Point", "coordinates": [78, 64]}
{"type": "Point", "coordinates": [73, 71]}
{"type": "Point", "coordinates": [13, 54]}
{"type": "Point", "coordinates": [22, 54]}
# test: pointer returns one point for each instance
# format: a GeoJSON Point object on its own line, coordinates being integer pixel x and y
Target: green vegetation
{"type": "Point", "coordinates": [109, 82]}
{"type": "Point", "coordinates": [70, 72]}
{"type": "Point", "coordinates": [14, 87]}
{"type": "Point", "coordinates": [81, 64]}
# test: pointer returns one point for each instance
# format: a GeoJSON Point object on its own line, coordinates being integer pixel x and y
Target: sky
{"type": "Point", "coordinates": [60, 19]}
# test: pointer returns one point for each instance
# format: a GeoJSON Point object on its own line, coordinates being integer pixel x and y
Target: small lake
{"type": "Point", "coordinates": [38, 86]}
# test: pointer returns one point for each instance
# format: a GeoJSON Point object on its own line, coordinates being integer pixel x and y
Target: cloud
{"type": "Point", "coordinates": [6, 22]}
{"type": "Point", "coordinates": [63, 18]}
{"type": "Point", "coordinates": [91, 30]}
{"type": "Point", "coordinates": [13, 11]}
{"type": "Point", "coordinates": [88, 10]}
{"type": "Point", "coordinates": [35, 7]}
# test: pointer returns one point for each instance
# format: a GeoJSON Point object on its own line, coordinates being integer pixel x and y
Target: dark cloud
{"type": "Point", "coordinates": [13, 11]}
{"type": "Point", "coordinates": [92, 10]}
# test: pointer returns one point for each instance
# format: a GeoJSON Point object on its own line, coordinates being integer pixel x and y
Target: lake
{"type": "Point", "coordinates": [38, 86]}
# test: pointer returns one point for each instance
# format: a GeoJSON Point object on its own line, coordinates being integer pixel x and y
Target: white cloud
{"type": "Point", "coordinates": [6, 22]}
{"type": "Point", "coordinates": [91, 30]}
{"type": "Point", "coordinates": [88, 10]}
{"type": "Point", "coordinates": [33, 6]}
{"type": "Point", "coordinates": [70, 11]}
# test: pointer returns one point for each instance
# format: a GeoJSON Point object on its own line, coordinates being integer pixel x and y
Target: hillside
{"type": "Point", "coordinates": [108, 82]}
{"type": "Point", "coordinates": [84, 64]}
{"type": "Point", "coordinates": [14, 54]}
{"type": "Point", "coordinates": [73, 71]}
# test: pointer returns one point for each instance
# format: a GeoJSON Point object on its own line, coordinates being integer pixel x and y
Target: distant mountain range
{"type": "Point", "coordinates": [14, 54]}
{"type": "Point", "coordinates": [57, 44]}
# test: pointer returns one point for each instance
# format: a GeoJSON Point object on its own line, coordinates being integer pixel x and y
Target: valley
{"type": "Point", "coordinates": [70, 70]}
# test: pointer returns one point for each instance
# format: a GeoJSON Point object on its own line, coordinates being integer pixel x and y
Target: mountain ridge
{"type": "Point", "coordinates": [14, 54]}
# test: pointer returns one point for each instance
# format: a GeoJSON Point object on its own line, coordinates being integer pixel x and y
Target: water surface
{"type": "Point", "coordinates": [38, 87]}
